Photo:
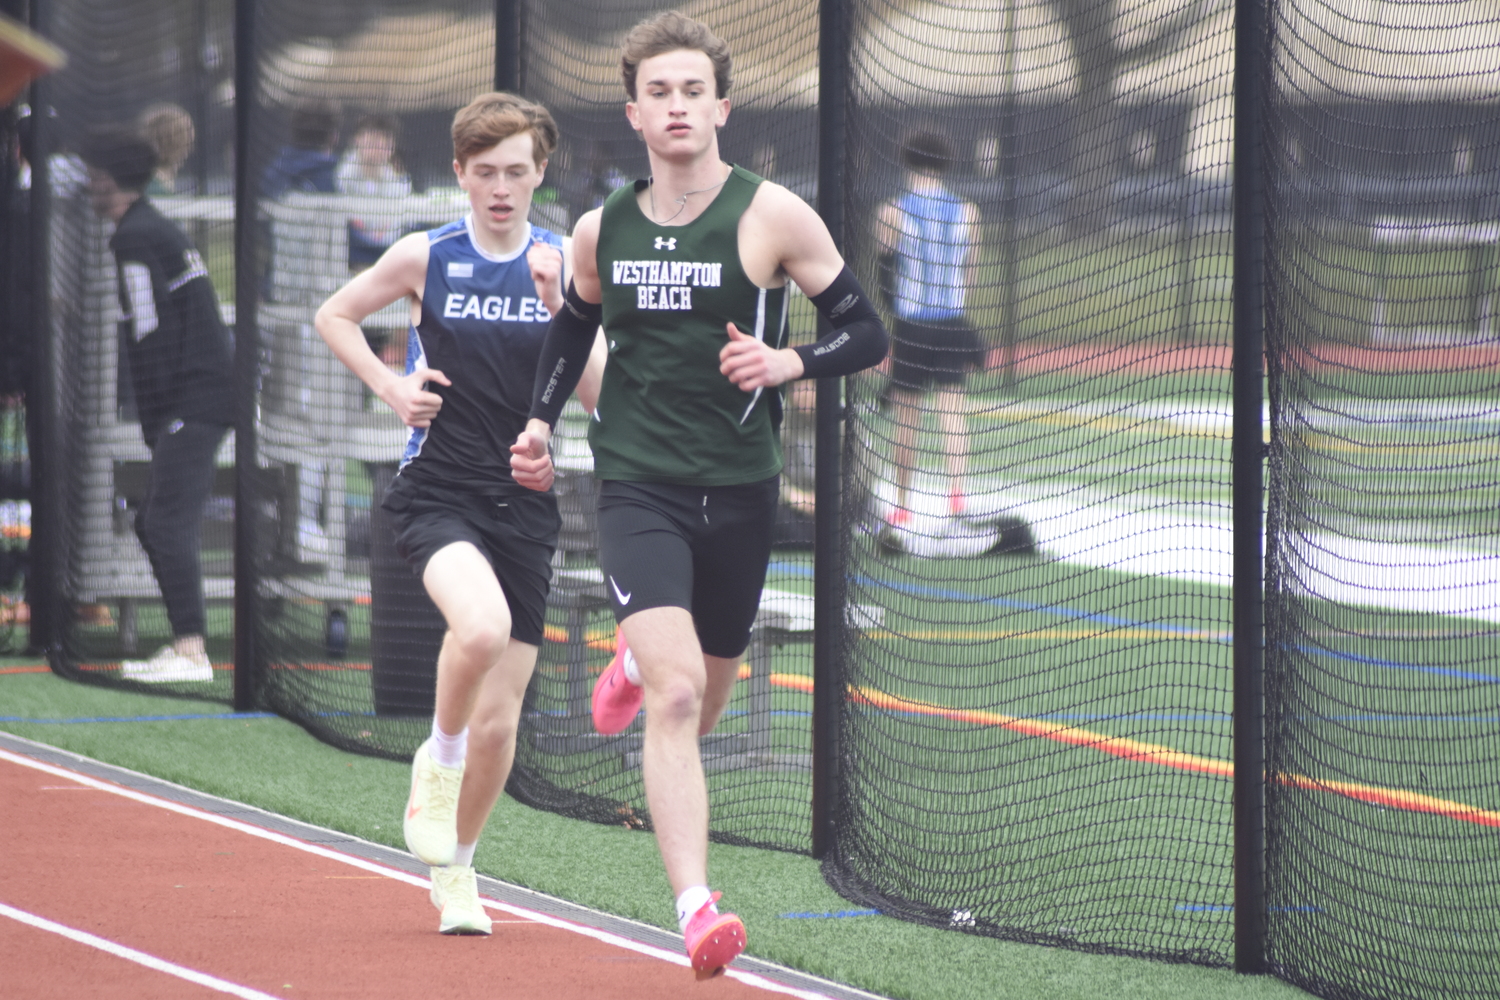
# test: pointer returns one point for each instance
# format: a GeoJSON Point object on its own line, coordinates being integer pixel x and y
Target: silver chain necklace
{"type": "Point", "coordinates": [681, 202]}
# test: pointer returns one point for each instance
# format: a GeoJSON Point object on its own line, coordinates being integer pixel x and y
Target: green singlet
{"type": "Point", "coordinates": [666, 413]}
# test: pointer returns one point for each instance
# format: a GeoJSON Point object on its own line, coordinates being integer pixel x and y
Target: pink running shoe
{"type": "Point", "coordinates": [616, 701]}
{"type": "Point", "coordinates": [713, 939]}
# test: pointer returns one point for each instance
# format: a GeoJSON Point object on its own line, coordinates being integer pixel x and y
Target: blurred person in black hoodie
{"type": "Point", "coordinates": [180, 366]}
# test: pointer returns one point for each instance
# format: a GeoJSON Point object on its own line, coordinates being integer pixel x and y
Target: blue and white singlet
{"type": "Point", "coordinates": [482, 326]}
{"type": "Point", "coordinates": [931, 248]}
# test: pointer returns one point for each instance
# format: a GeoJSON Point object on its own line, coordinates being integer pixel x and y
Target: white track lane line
{"type": "Point", "coordinates": [139, 957]}
{"type": "Point", "coordinates": [676, 958]}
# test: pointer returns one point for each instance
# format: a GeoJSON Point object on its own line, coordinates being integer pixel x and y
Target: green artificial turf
{"type": "Point", "coordinates": [271, 763]}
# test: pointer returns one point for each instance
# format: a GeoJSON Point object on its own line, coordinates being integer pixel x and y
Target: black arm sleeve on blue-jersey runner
{"type": "Point", "coordinates": [565, 352]}
{"type": "Point", "coordinates": [859, 339]}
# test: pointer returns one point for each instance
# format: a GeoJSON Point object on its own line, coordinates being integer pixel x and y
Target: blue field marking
{"type": "Point", "coordinates": [142, 718]}
{"type": "Point", "coordinates": [830, 916]}
{"type": "Point", "coordinates": [1466, 675]}
{"type": "Point", "coordinates": [1488, 720]}
{"type": "Point", "coordinates": [1207, 908]}
{"type": "Point", "coordinates": [1077, 614]}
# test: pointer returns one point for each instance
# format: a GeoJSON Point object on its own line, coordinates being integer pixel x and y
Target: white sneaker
{"type": "Point", "coordinates": [167, 666]}
{"type": "Point", "coordinates": [455, 891]}
{"type": "Point", "coordinates": [431, 822]}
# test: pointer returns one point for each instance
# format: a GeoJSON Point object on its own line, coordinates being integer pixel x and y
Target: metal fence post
{"type": "Point", "coordinates": [1248, 455]}
{"type": "Point", "coordinates": [508, 45]}
{"type": "Point", "coordinates": [246, 361]}
{"type": "Point", "coordinates": [828, 567]}
{"type": "Point", "coordinates": [44, 426]}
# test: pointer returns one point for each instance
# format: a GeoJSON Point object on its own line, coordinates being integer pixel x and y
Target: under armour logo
{"type": "Point", "coordinates": [666, 243]}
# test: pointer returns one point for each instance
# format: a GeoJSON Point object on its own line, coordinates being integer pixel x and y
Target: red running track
{"type": "Point", "coordinates": [118, 880]}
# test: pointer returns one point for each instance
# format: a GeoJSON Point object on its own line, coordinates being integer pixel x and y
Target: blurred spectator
{"type": "Point", "coordinates": [372, 169]}
{"type": "Point", "coordinates": [181, 367]}
{"type": "Point", "coordinates": [169, 130]}
{"type": "Point", "coordinates": [307, 163]}
{"type": "Point", "coordinates": [370, 166]}
{"type": "Point", "coordinates": [928, 249]}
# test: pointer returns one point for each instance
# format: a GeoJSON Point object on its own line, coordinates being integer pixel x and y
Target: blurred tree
{"type": "Point", "coordinates": [1110, 38]}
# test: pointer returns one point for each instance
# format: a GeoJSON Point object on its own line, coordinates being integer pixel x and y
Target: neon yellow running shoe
{"type": "Point", "coordinates": [431, 823]}
{"type": "Point", "coordinates": [455, 891]}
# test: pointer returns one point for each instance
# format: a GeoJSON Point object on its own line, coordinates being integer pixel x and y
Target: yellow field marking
{"type": "Point", "coordinates": [1106, 422]}
{"type": "Point", "coordinates": [1313, 440]}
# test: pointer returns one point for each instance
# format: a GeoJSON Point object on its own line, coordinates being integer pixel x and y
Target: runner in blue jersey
{"type": "Point", "coordinates": [927, 236]}
{"type": "Point", "coordinates": [482, 292]}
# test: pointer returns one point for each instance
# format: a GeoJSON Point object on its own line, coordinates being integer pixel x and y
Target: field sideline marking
{"type": "Point", "coordinates": [130, 954]}
{"type": "Point", "coordinates": [1152, 753]}
{"type": "Point", "coordinates": [1164, 630]}
{"type": "Point", "coordinates": [681, 959]}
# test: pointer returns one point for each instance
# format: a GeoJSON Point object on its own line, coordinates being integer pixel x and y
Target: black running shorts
{"type": "Point", "coordinates": [932, 353]}
{"type": "Point", "coordinates": [516, 534]}
{"type": "Point", "coordinates": [703, 549]}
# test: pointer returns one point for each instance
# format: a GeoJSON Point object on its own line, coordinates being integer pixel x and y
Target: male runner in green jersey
{"type": "Point", "coordinates": [689, 271]}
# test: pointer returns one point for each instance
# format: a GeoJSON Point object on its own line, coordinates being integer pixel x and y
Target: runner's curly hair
{"type": "Point", "coordinates": [668, 32]}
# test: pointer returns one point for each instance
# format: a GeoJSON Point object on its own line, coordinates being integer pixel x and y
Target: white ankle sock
{"type": "Point", "coordinates": [690, 902]}
{"type": "Point", "coordinates": [632, 669]}
{"type": "Point", "coordinates": [448, 751]}
{"type": "Point", "coordinates": [464, 856]}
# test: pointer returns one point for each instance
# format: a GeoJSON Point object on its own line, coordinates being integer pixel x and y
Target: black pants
{"type": "Point", "coordinates": [169, 522]}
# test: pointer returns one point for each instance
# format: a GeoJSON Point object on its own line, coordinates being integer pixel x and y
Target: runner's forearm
{"type": "Point", "coordinates": [858, 341]}
{"type": "Point", "coordinates": [565, 352]}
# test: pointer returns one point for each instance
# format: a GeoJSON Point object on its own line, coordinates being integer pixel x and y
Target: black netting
{"type": "Point", "coordinates": [758, 760]}
{"type": "Point", "coordinates": [1382, 670]}
{"type": "Point", "coordinates": [1038, 728]}
{"type": "Point", "coordinates": [15, 525]}
{"type": "Point", "coordinates": [125, 368]}
{"type": "Point", "coordinates": [351, 152]}
{"type": "Point", "coordinates": [1036, 495]}
{"type": "Point", "coordinates": [348, 637]}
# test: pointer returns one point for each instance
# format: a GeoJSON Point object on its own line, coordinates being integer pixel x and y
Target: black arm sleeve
{"type": "Point", "coordinates": [565, 352]}
{"type": "Point", "coordinates": [859, 343]}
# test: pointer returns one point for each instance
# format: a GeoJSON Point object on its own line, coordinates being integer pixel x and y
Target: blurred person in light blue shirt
{"type": "Point", "coordinates": [927, 237]}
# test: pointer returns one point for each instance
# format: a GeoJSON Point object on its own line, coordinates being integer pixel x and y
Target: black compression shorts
{"type": "Point", "coordinates": [928, 353]}
{"type": "Point", "coordinates": [517, 534]}
{"type": "Point", "coordinates": [701, 548]}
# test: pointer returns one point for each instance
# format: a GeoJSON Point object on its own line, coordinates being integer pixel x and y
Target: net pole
{"type": "Point", "coordinates": [828, 568]}
{"type": "Point", "coordinates": [246, 360]}
{"type": "Point", "coordinates": [42, 595]}
{"type": "Point", "coordinates": [1248, 455]}
{"type": "Point", "coordinates": [508, 45]}
{"type": "Point", "coordinates": [1008, 164]}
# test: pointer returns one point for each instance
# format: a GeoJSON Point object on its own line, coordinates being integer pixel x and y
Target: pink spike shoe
{"type": "Point", "coordinates": [616, 701]}
{"type": "Point", "coordinates": [713, 939]}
